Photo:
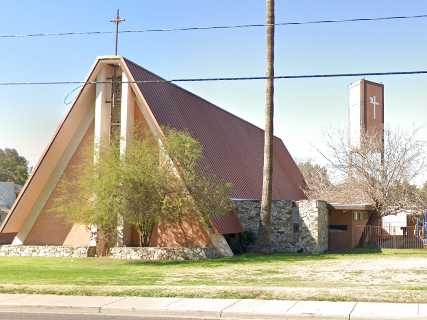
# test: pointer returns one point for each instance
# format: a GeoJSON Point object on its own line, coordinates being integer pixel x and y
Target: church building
{"type": "Point", "coordinates": [232, 151]}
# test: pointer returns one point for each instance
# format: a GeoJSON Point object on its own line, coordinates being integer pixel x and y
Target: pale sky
{"type": "Point", "coordinates": [304, 108]}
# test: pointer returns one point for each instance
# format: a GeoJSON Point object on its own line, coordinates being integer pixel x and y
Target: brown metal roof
{"type": "Point", "coordinates": [6, 238]}
{"type": "Point", "coordinates": [233, 148]}
{"type": "Point", "coordinates": [227, 224]}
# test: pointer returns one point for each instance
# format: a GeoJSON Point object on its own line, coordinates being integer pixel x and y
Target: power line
{"type": "Point", "coordinates": [305, 76]}
{"type": "Point", "coordinates": [296, 23]}
{"type": "Point", "coordinates": [199, 28]}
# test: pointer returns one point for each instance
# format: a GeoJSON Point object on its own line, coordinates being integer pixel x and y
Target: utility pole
{"type": "Point", "coordinates": [264, 233]}
{"type": "Point", "coordinates": [117, 20]}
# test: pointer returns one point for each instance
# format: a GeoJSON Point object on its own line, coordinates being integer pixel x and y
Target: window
{"type": "Point", "coordinates": [338, 227]}
{"type": "Point", "coordinates": [296, 227]}
{"type": "Point", "coordinates": [116, 99]}
{"type": "Point", "coordinates": [358, 216]}
{"type": "Point", "coordinates": [295, 218]}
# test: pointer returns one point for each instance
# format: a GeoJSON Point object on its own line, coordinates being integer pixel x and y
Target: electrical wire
{"type": "Point", "coordinates": [305, 76]}
{"type": "Point", "coordinates": [67, 99]}
{"type": "Point", "coordinates": [198, 28]}
{"type": "Point", "coordinates": [296, 23]}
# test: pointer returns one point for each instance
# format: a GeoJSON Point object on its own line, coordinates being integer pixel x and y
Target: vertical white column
{"type": "Point", "coordinates": [102, 124]}
{"type": "Point", "coordinates": [126, 132]}
{"type": "Point", "coordinates": [127, 115]}
{"type": "Point", "coordinates": [102, 109]}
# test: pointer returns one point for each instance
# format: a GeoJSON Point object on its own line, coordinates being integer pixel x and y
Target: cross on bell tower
{"type": "Point", "coordinates": [117, 20]}
{"type": "Point", "coordinates": [375, 103]}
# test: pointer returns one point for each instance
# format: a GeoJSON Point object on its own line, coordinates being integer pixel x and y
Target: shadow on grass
{"type": "Point", "coordinates": [248, 258]}
{"type": "Point", "coordinates": [251, 258]}
{"type": "Point", "coordinates": [357, 251]}
{"type": "Point", "coordinates": [403, 252]}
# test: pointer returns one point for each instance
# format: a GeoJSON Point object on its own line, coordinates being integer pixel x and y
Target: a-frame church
{"type": "Point", "coordinates": [233, 151]}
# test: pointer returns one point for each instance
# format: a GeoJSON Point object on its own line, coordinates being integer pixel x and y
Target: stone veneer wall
{"type": "Point", "coordinates": [312, 237]}
{"type": "Point", "coordinates": [314, 225]}
{"type": "Point", "coordinates": [128, 253]}
{"type": "Point", "coordinates": [43, 251]}
{"type": "Point", "coordinates": [313, 234]}
{"type": "Point", "coordinates": [162, 254]}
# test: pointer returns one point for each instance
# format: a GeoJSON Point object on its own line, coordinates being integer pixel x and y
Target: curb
{"type": "Point", "coordinates": [183, 308]}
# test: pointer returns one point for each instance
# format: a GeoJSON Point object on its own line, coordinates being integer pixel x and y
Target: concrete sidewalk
{"type": "Point", "coordinates": [172, 308]}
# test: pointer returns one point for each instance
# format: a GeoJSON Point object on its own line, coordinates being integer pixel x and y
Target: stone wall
{"type": "Point", "coordinates": [281, 221]}
{"type": "Point", "coordinates": [314, 225]}
{"type": "Point", "coordinates": [312, 236]}
{"type": "Point", "coordinates": [323, 225]}
{"type": "Point", "coordinates": [162, 254]}
{"type": "Point", "coordinates": [127, 253]}
{"type": "Point", "coordinates": [43, 251]}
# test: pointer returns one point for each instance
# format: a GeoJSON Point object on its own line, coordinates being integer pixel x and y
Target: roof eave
{"type": "Point", "coordinates": [352, 206]}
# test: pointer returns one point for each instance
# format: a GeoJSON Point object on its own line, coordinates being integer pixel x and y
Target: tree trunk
{"type": "Point", "coordinates": [264, 233]}
{"type": "Point", "coordinates": [103, 242]}
{"type": "Point", "coordinates": [145, 231]}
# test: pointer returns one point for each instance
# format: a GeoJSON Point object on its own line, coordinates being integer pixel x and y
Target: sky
{"type": "Point", "coordinates": [305, 109]}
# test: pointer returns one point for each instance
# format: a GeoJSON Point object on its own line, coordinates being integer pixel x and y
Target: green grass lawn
{"type": "Point", "coordinates": [391, 275]}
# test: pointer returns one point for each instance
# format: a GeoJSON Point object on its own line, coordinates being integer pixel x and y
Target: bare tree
{"type": "Point", "coordinates": [317, 182]}
{"type": "Point", "coordinates": [264, 233]}
{"type": "Point", "coordinates": [379, 173]}
{"type": "Point", "coordinates": [423, 192]}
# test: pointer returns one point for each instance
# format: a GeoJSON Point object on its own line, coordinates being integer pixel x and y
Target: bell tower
{"type": "Point", "coordinates": [366, 112]}
{"type": "Point", "coordinates": [114, 122]}
{"type": "Point", "coordinates": [114, 108]}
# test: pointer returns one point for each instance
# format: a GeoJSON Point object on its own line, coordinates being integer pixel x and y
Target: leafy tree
{"type": "Point", "coordinates": [13, 167]}
{"type": "Point", "coordinates": [91, 196]}
{"type": "Point", "coordinates": [151, 183]}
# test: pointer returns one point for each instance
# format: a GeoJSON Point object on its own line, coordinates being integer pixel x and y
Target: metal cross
{"type": "Point", "coordinates": [374, 102]}
{"type": "Point", "coordinates": [117, 20]}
